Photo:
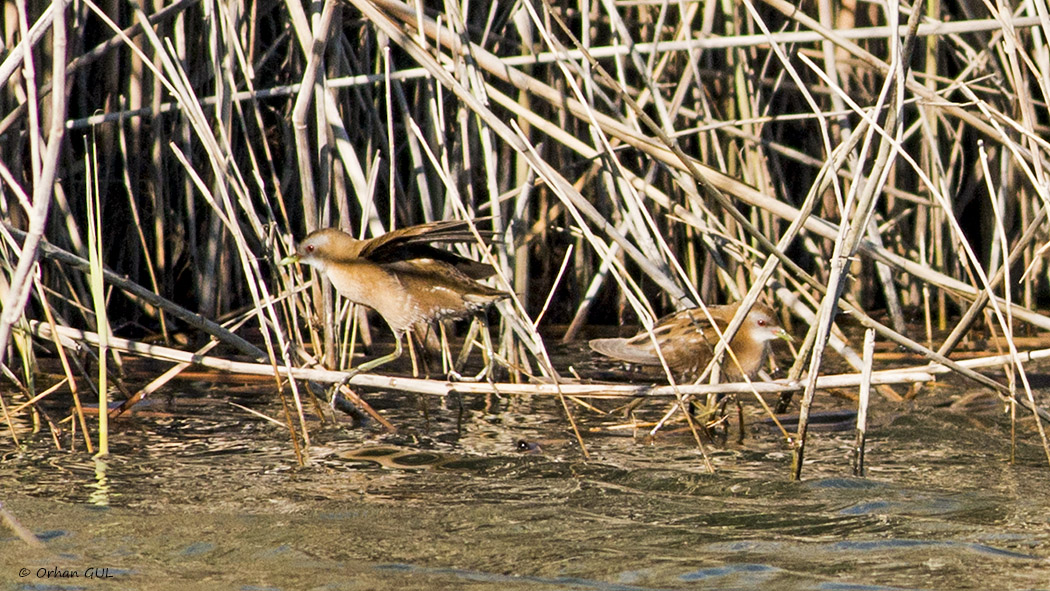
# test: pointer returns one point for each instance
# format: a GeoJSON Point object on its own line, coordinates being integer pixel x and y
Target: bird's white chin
{"type": "Point", "coordinates": [315, 263]}
{"type": "Point", "coordinates": [767, 335]}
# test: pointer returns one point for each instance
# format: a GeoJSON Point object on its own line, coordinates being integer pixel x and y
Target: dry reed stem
{"type": "Point", "coordinates": [423, 386]}
{"type": "Point", "coordinates": [24, 533]}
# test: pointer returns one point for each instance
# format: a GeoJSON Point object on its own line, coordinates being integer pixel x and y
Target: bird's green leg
{"type": "Point", "coordinates": [480, 324]}
{"type": "Point", "coordinates": [370, 365]}
{"type": "Point", "coordinates": [464, 353]}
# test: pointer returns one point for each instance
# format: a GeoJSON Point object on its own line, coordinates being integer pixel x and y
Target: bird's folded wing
{"type": "Point", "coordinates": [626, 350]}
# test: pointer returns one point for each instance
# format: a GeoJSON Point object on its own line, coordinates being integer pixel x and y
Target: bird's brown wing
{"type": "Point", "coordinates": [425, 252]}
{"type": "Point", "coordinates": [685, 337]}
{"type": "Point", "coordinates": [694, 319]}
{"type": "Point", "coordinates": [415, 242]}
{"type": "Point", "coordinates": [442, 289]}
{"type": "Point", "coordinates": [444, 231]}
{"type": "Point", "coordinates": [625, 350]}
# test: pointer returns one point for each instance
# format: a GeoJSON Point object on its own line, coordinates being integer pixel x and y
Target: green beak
{"type": "Point", "coordinates": [288, 260]}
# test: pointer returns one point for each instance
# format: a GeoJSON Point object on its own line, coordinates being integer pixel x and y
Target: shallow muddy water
{"type": "Point", "coordinates": [200, 494]}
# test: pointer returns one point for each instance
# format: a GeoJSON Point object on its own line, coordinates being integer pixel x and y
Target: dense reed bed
{"type": "Point", "coordinates": [879, 159]}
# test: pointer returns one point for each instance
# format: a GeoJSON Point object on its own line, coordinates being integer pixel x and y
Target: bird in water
{"type": "Point", "coordinates": [687, 341]}
{"type": "Point", "coordinates": [402, 276]}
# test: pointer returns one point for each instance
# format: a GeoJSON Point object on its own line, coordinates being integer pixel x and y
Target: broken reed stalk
{"type": "Point", "coordinates": [862, 404]}
{"type": "Point", "coordinates": [98, 297]}
{"type": "Point", "coordinates": [858, 208]}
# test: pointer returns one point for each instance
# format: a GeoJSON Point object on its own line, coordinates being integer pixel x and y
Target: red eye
{"type": "Point", "coordinates": [309, 248]}
{"type": "Point", "coordinates": [761, 322]}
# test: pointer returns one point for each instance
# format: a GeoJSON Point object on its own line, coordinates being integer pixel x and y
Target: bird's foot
{"type": "Point", "coordinates": [339, 385]}
{"type": "Point", "coordinates": [484, 375]}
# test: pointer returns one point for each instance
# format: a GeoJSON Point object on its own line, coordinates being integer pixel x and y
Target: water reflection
{"type": "Point", "coordinates": [100, 495]}
{"type": "Point", "coordinates": [497, 495]}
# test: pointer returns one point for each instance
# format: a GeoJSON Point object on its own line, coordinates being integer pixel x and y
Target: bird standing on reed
{"type": "Point", "coordinates": [402, 276]}
{"type": "Point", "coordinates": [687, 341]}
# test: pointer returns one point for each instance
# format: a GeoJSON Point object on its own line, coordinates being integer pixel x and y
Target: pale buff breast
{"type": "Point", "coordinates": [370, 285]}
{"type": "Point", "coordinates": [751, 357]}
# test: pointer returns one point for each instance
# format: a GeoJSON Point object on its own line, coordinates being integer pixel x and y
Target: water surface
{"type": "Point", "coordinates": [496, 494]}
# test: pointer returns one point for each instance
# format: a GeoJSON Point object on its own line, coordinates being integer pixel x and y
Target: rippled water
{"type": "Point", "coordinates": [204, 495]}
